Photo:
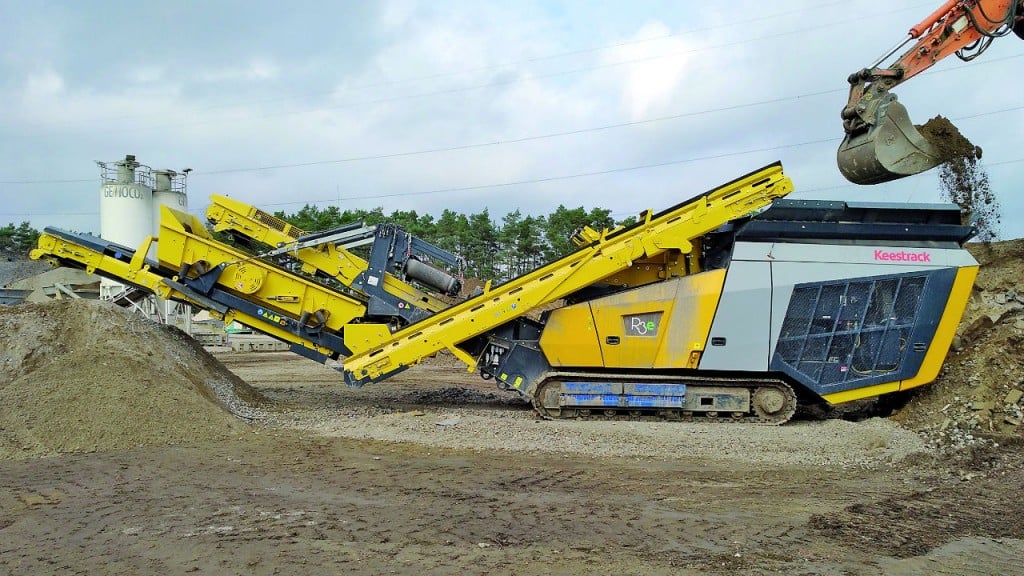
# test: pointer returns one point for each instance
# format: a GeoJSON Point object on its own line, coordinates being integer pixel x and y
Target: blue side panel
{"type": "Point", "coordinates": [654, 401]}
{"type": "Point", "coordinates": [620, 401]}
{"type": "Point", "coordinates": [655, 389]}
{"type": "Point", "coordinates": [592, 388]}
{"type": "Point", "coordinates": [589, 400]}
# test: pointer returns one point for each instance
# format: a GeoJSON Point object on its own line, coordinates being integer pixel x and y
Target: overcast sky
{"type": "Point", "coordinates": [467, 105]}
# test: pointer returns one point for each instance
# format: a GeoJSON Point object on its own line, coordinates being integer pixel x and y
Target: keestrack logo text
{"type": "Point", "coordinates": [903, 256]}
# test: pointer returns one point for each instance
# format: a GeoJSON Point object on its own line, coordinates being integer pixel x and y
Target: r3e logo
{"type": "Point", "coordinates": [642, 324]}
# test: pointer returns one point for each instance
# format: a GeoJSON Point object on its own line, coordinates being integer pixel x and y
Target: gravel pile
{"type": "Point", "coordinates": [12, 271]}
{"type": "Point", "coordinates": [82, 376]}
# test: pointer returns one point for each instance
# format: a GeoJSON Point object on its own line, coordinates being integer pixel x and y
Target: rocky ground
{"type": "Point", "coordinates": [979, 392]}
{"type": "Point", "coordinates": [126, 448]}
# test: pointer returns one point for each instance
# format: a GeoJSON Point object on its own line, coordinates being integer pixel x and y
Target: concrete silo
{"type": "Point", "coordinates": [126, 209]}
{"type": "Point", "coordinates": [131, 195]}
{"type": "Point", "coordinates": [169, 191]}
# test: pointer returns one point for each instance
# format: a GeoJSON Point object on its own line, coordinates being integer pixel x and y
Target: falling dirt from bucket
{"type": "Point", "coordinates": [962, 178]}
{"type": "Point", "coordinates": [947, 139]}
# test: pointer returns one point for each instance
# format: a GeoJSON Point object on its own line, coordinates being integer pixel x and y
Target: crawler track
{"type": "Point", "coordinates": [772, 401]}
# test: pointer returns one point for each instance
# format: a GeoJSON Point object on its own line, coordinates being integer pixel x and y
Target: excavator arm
{"type": "Point", "coordinates": [881, 142]}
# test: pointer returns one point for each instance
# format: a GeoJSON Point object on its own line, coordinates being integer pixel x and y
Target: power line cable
{"type": "Point", "coordinates": [567, 176]}
{"type": "Point", "coordinates": [468, 146]}
{"type": "Point", "coordinates": [553, 179]}
{"type": "Point", "coordinates": [543, 136]}
{"type": "Point", "coordinates": [522, 139]}
{"type": "Point", "coordinates": [596, 173]}
{"type": "Point", "coordinates": [563, 133]}
{"type": "Point", "coordinates": [68, 181]}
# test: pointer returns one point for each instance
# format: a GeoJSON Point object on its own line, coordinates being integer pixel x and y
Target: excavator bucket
{"type": "Point", "coordinates": [889, 149]}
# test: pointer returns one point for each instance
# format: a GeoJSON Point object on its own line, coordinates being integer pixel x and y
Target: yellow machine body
{"type": "Point", "coordinates": [662, 325]}
{"type": "Point", "coordinates": [722, 305]}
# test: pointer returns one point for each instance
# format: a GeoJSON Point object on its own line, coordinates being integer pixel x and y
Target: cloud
{"type": "Point", "coordinates": [44, 84]}
{"type": "Point", "coordinates": [147, 74]}
{"type": "Point", "coordinates": [255, 70]}
{"type": "Point", "coordinates": [651, 84]}
{"type": "Point", "coordinates": [320, 83]}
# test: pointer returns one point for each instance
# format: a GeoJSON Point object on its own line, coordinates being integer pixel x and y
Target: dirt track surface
{"type": "Point", "coordinates": [473, 484]}
{"type": "Point", "coordinates": [365, 508]}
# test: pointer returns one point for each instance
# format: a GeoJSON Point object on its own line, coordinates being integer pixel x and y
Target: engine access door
{"type": "Point", "coordinates": [740, 334]}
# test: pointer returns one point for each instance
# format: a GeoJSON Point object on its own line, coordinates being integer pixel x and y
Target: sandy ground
{"type": "Point", "coordinates": [434, 472]}
{"type": "Point", "coordinates": [441, 405]}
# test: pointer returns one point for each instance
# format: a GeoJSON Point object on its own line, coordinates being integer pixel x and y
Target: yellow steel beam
{"type": "Point", "coordinates": [184, 241]}
{"type": "Point", "coordinates": [674, 229]}
{"type": "Point", "coordinates": [334, 261]}
{"type": "Point", "coordinates": [60, 251]}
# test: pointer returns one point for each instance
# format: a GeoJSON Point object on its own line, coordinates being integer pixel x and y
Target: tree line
{"type": "Point", "coordinates": [17, 241]}
{"type": "Point", "coordinates": [493, 249]}
{"type": "Point", "coordinates": [496, 250]}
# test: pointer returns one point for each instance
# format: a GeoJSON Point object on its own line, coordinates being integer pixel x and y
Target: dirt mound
{"type": "Point", "coordinates": [979, 391]}
{"type": "Point", "coordinates": [81, 376]}
{"type": "Point", "coordinates": [14, 270]}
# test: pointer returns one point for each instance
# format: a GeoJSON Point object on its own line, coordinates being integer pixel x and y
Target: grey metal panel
{"type": "Point", "coordinates": [11, 296]}
{"type": "Point", "coordinates": [905, 205]}
{"type": "Point", "coordinates": [781, 295]}
{"type": "Point", "coordinates": [805, 272]}
{"type": "Point", "coordinates": [756, 251]}
{"type": "Point", "coordinates": [906, 258]}
{"type": "Point", "coordinates": [742, 319]}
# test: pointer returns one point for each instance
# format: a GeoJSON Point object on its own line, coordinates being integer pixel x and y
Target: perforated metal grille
{"type": "Point", "coordinates": [839, 332]}
{"type": "Point", "coordinates": [275, 223]}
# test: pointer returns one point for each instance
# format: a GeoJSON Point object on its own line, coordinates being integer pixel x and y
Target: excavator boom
{"type": "Point", "coordinates": [881, 142]}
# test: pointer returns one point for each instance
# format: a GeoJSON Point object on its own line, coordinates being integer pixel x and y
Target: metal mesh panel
{"type": "Point", "coordinates": [835, 332]}
{"type": "Point", "coordinates": [880, 306]}
{"type": "Point", "coordinates": [274, 222]}
{"type": "Point", "coordinates": [857, 295]}
{"type": "Point", "coordinates": [907, 300]}
{"type": "Point", "coordinates": [799, 314]}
